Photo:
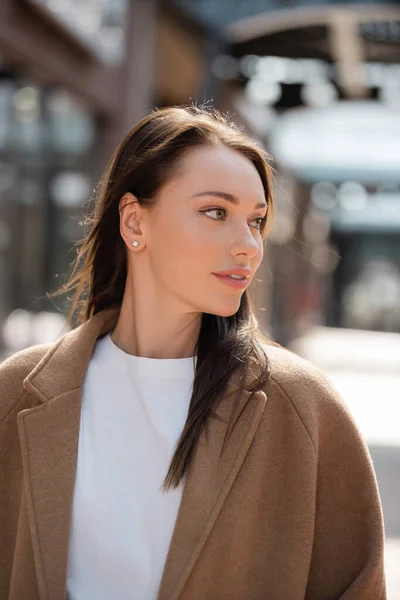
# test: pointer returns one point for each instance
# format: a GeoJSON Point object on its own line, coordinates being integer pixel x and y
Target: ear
{"type": "Point", "coordinates": [131, 214]}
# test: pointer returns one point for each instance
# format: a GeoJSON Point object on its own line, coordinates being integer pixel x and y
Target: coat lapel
{"type": "Point", "coordinates": [207, 485]}
{"type": "Point", "coordinates": [49, 435]}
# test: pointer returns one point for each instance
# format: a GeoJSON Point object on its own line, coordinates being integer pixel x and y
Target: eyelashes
{"type": "Point", "coordinates": [261, 220]}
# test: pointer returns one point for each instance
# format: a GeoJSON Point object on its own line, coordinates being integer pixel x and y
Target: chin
{"type": "Point", "coordinates": [225, 311]}
{"type": "Point", "coordinates": [227, 314]}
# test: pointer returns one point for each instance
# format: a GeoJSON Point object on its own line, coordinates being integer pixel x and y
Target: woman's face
{"type": "Point", "coordinates": [192, 233]}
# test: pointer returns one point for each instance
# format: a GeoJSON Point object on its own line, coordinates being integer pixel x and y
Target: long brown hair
{"type": "Point", "coordinates": [142, 163]}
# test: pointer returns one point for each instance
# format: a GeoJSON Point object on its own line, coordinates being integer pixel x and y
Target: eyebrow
{"type": "Point", "coordinates": [226, 196]}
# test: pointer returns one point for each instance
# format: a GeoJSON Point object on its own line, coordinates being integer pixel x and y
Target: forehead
{"type": "Point", "coordinates": [219, 167]}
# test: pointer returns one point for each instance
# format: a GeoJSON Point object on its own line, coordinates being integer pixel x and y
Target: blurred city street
{"type": "Point", "coordinates": [364, 366]}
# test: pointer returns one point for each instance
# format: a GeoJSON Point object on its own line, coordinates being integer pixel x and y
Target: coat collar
{"type": "Point", "coordinates": [49, 435]}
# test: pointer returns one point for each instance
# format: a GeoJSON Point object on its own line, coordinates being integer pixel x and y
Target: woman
{"type": "Point", "coordinates": [163, 448]}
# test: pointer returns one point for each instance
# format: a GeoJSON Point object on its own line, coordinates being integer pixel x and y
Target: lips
{"type": "Point", "coordinates": [234, 283]}
{"type": "Point", "coordinates": [242, 271]}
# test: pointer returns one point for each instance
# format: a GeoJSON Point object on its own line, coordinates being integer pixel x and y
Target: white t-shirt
{"type": "Point", "coordinates": [133, 411]}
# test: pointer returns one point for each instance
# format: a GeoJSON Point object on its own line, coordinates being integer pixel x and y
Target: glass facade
{"type": "Point", "coordinates": [46, 151]}
{"type": "Point", "coordinates": [98, 24]}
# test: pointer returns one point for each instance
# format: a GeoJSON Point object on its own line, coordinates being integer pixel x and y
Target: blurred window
{"type": "Point", "coordinates": [99, 24]}
{"type": "Point", "coordinates": [47, 138]}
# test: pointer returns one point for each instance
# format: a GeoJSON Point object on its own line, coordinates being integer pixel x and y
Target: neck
{"type": "Point", "coordinates": [151, 328]}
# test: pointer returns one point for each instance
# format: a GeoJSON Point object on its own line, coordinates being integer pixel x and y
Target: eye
{"type": "Point", "coordinates": [216, 209]}
{"type": "Point", "coordinates": [261, 220]}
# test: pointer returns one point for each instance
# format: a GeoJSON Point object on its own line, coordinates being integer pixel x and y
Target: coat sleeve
{"type": "Point", "coordinates": [348, 551]}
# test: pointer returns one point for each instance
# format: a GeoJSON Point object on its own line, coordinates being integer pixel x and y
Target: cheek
{"type": "Point", "coordinates": [180, 245]}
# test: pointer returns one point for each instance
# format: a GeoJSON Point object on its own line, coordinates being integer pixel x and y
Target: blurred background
{"type": "Point", "coordinates": [317, 83]}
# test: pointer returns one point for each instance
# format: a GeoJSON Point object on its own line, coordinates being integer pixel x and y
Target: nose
{"type": "Point", "coordinates": [244, 242]}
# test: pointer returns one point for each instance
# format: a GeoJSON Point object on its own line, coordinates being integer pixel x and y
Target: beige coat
{"type": "Point", "coordinates": [289, 511]}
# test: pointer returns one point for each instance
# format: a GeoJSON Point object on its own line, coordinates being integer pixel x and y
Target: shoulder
{"type": "Point", "coordinates": [294, 373]}
{"type": "Point", "coordinates": [21, 363]}
{"type": "Point", "coordinates": [310, 392]}
{"type": "Point", "coordinates": [13, 371]}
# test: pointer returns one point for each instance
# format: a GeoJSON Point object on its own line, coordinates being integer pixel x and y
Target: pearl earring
{"type": "Point", "coordinates": [135, 243]}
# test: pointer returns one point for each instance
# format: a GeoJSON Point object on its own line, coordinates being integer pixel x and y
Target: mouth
{"type": "Point", "coordinates": [234, 282]}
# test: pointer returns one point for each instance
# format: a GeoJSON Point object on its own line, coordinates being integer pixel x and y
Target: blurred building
{"type": "Point", "coordinates": [75, 76]}
{"type": "Point", "coordinates": [318, 82]}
